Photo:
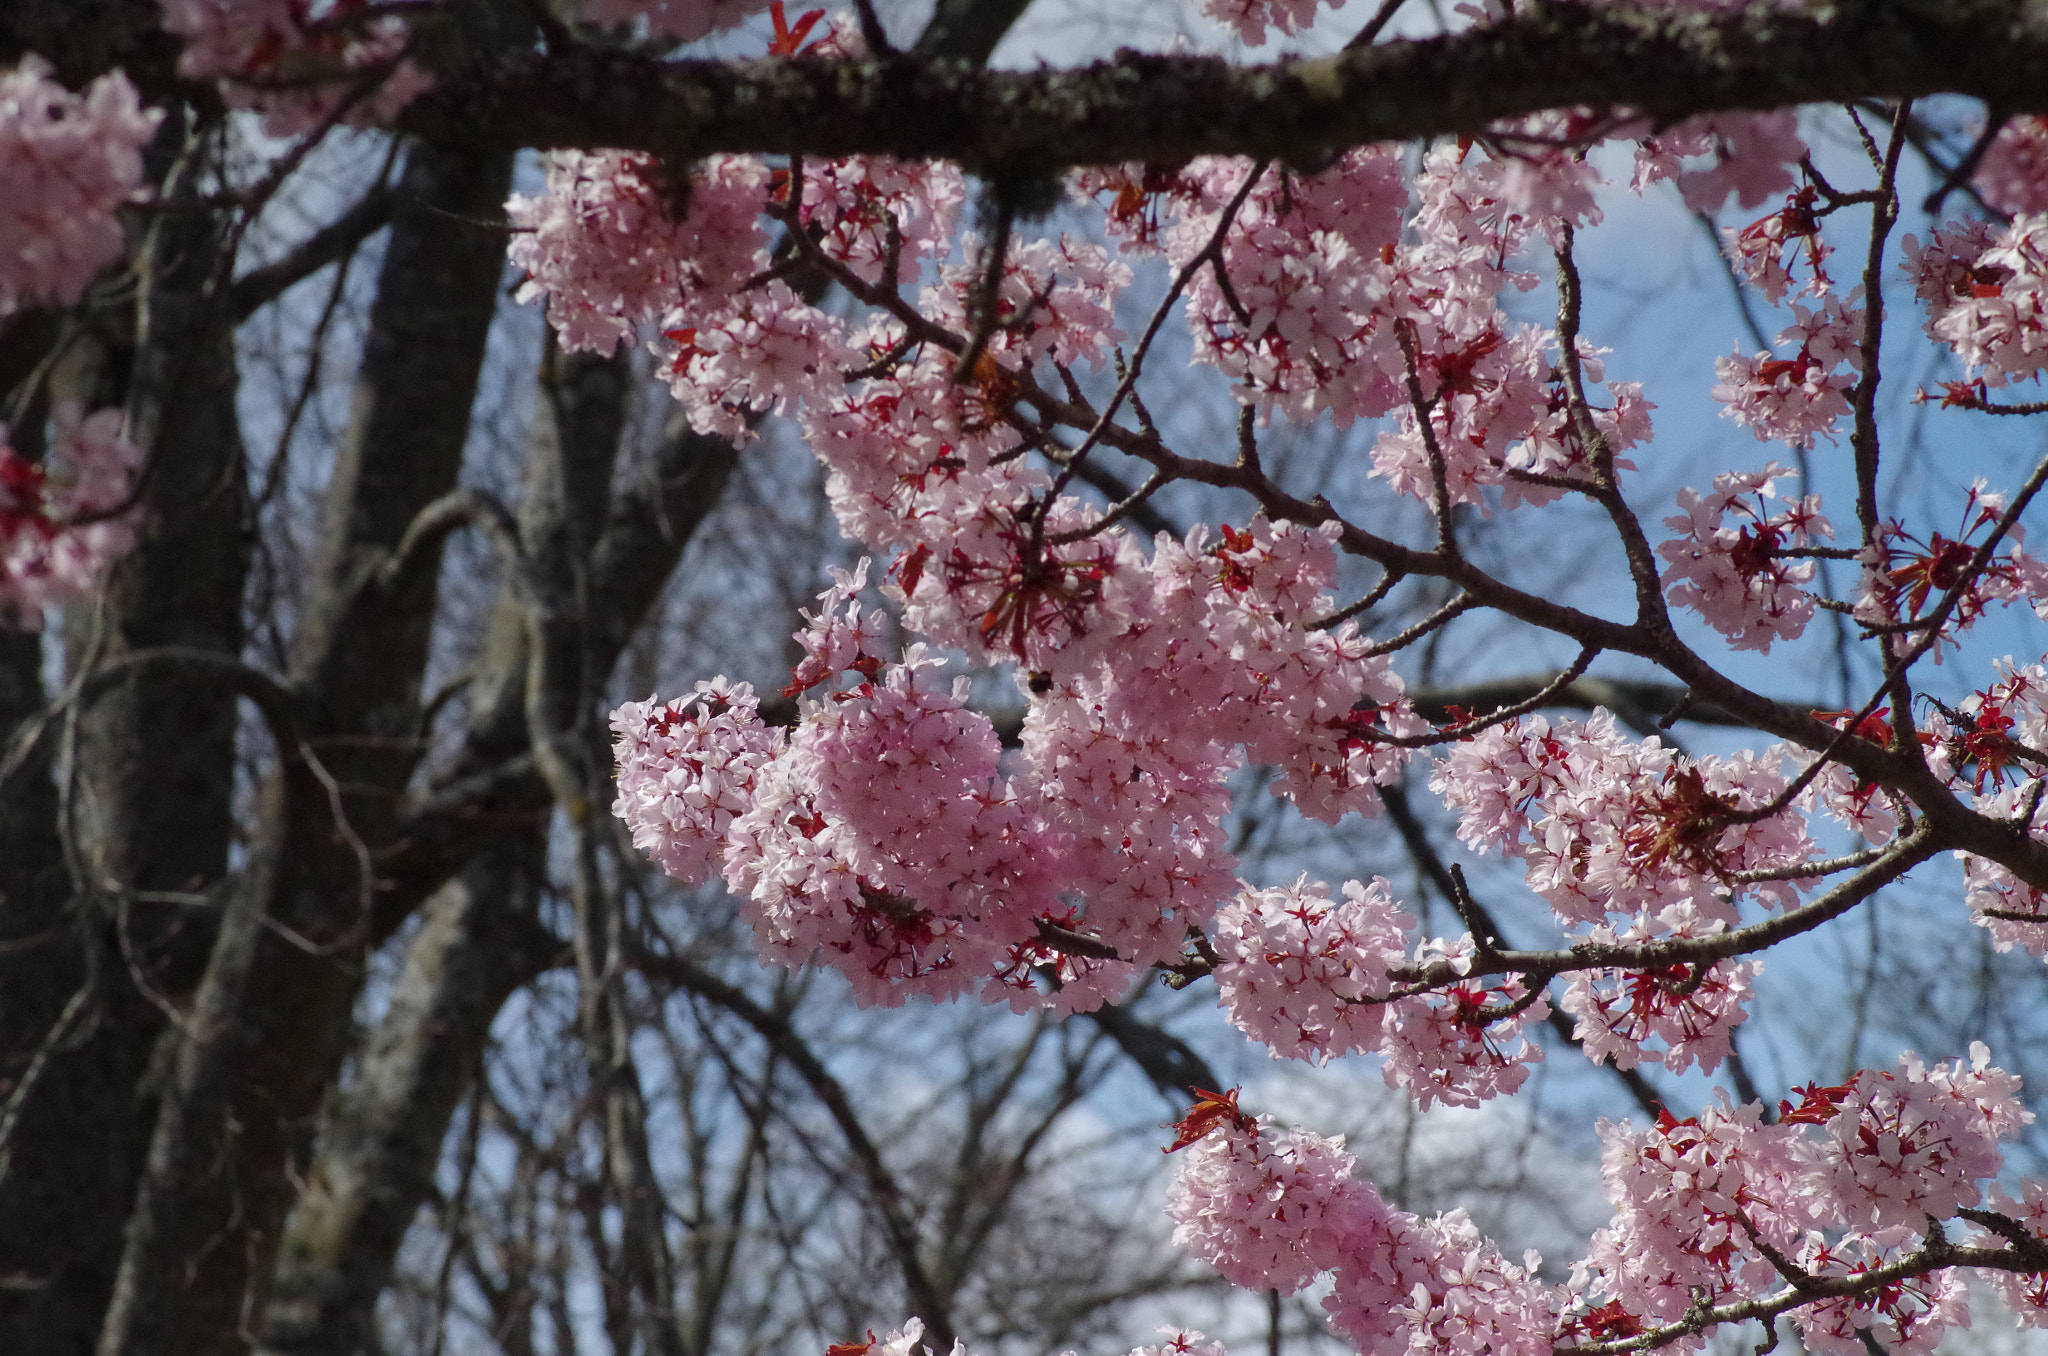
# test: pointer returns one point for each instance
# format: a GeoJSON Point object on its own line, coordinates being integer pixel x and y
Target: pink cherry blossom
{"type": "Point", "coordinates": [1464, 1044]}
{"type": "Point", "coordinates": [1904, 1147]}
{"type": "Point", "coordinates": [61, 522]}
{"type": "Point", "coordinates": [1611, 827]}
{"type": "Point", "coordinates": [2013, 175]}
{"type": "Point", "coordinates": [760, 350]}
{"type": "Point", "coordinates": [602, 247]}
{"type": "Point", "coordinates": [1864, 807]}
{"type": "Point", "coordinates": [1548, 178]}
{"type": "Point", "coordinates": [1437, 1287]}
{"type": "Point", "coordinates": [1288, 310]}
{"type": "Point", "coordinates": [891, 836]}
{"type": "Point", "coordinates": [1910, 1318]}
{"type": "Point", "coordinates": [686, 769]}
{"type": "Point", "coordinates": [1767, 250]}
{"type": "Point", "coordinates": [866, 208]}
{"type": "Point", "coordinates": [1181, 1342]}
{"type": "Point", "coordinates": [2000, 901]}
{"type": "Point", "coordinates": [908, 1341]}
{"type": "Point", "coordinates": [67, 162]}
{"type": "Point", "coordinates": [1296, 965]}
{"type": "Point", "coordinates": [2000, 328]}
{"type": "Point", "coordinates": [1249, 19]}
{"type": "Point", "coordinates": [1945, 270]}
{"type": "Point", "coordinates": [1056, 301]}
{"type": "Point", "coordinates": [299, 62]}
{"type": "Point", "coordinates": [2025, 1294]}
{"type": "Point", "coordinates": [1906, 578]}
{"type": "Point", "coordinates": [1733, 575]}
{"type": "Point", "coordinates": [1752, 155]}
{"type": "Point", "coordinates": [1689, 1196]}
{"type": "Point", "coordinates": [1268, 1212]}
{"type": "Point", "coordinates": [1688, 1011]}
{"type": "Point", "coordinates": [233, 37]}
{"type": "Point", "coordinates": [1800, 398]}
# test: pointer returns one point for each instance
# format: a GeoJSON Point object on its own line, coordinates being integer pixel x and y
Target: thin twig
{"type": "Point", "coordinates": [987, 296]}
{"type": "Point", "coordinates": [1384, 15]}
{"type": "Point", "coordinates": [1212, 250]}
{"type": "Point", "coordinates": [1424, 410]}
{"type": "Point", "coordinates": [1388, 581]}
{"type": "Point", "coordinates": [1451, 734]}
{"type": "Point", "coordinates": [871, 30]}
{"type": "Point", "coordinates": [1459, 605]}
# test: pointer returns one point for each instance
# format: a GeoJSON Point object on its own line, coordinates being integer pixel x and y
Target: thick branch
{"type": "Point", "coordinates": [267, 1027]}
{"type": "Point", "coordinates": [1668, 64]}
{"type": "Point", "coordinates": [148, 802]}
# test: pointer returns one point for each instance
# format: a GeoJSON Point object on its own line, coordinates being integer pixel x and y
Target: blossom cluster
{"type": "Point", "coordinates": [1613, 829]}
{"type": "Point", "coordinates": [1272, 1214]}
{"type": "Point", "coordinates": [2002, 734]}
{"type": "Point", "coordinates": [1799, 397]}
{"type": "Point", "coordinates": [602, 247]}
{"type": "Point", "coordinates": [1995, 313]}
{"type": "Point", "coordinates": [1311, 978]}
{"type": "Point", "coordinates": [1907, 580]}
{"type": "Point", "coordinates": [299, 62]}
{"type": "Point", "coordinates": [1318, 302]}
{"type": "Point", "coordinates": [1249, 20]}
{"type": "Point", "coordinates": [687, 770]}
{"type": "Point", "coordinates": [954, 402]}
{"type": "Point", "coordinates": [1844, 1182]}
{"type": "Point", "coordinates": [1715, 1209]}
{"type": "Point", "coordinates": [886, 832]}
{"type": "Point", "coordinates": [1736, 575]}
{"type": "Point", "coordinates": [2013, 175]}
{"type": "Point", "coordinates": [1750, 155]}
{"type": "Point", "coordinates": [60, 519]}
{"type": "Point", "coordinates": [67, 162]}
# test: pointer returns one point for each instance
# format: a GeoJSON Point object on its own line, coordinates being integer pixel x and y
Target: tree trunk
{"type": "Point", "coordinates": [482, 937]}
{"type": "Point", "coordinates": [272, 1019]}
{"type": "Point", "coordinates": [381, 1137]}
{"type": "Point", "coordinates": [150, 807]}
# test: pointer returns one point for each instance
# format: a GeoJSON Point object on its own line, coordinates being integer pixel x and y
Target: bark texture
{"type": "Point", "coordinates": [270, 1022]}
{"type": "Point", "coordinates": [1662, 64]}
{"type": "Point", "coordinates": [122, 928]}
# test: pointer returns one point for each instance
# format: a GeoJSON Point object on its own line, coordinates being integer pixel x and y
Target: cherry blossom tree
{"type": "Point", "coordinates": [928, 268]}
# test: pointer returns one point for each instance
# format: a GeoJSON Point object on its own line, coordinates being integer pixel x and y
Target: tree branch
{"type": "Point", "coordinates": [775, 1028]}
{"type": "Point", "coordinates": [968, 30]}
{"type": "Point", "coordinates": [1664, 64]}
{"type": "Point", "coordinates": [1541, 966]}
{"type": "Point", "coordinates": [1640, 703]}
{"type": "Point", "coordinates": [260, 286]}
